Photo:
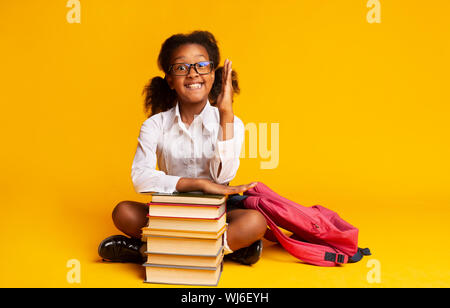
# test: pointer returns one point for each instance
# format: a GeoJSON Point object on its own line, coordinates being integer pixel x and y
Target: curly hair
{"type": "Point", "coordinates": [158, 95]}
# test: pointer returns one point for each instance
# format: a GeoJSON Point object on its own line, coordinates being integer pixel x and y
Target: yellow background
{"type": "Point", "coordinates": [363, 111]}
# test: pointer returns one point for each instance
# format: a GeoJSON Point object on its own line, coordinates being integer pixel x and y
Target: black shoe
{"type": "Point", "coordinates": [247, 255]}
{"type": "Point", "coordinates": [119, 248]}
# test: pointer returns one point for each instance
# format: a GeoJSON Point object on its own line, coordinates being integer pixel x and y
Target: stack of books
{"type": "Point", "coordinates": [184, 238]}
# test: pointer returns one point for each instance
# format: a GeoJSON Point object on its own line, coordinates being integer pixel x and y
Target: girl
{"type": "Point", "coordinates": [196, 140]}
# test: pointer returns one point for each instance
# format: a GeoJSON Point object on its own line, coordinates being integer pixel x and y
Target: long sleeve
{"type": "Point", "coordinates": [144, 175]}
{"type": "Point", "coordinates": [227, 153]}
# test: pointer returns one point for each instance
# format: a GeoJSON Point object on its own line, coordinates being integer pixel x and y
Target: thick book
{"type": "Point", "coordinates": [185, 260]}
{"type": "Point", "coordinates": [187, 197]}
{"type": "Point", "coordinates": [183, 275]}
{"type": "Point", "coordinates": [183, 246]}
{"type": "Point", "coordinates": [186, 210]}
{"type": "Point", "coordinates": [187, 224]}
{"type": "Point", "coordinates": [180, 233]}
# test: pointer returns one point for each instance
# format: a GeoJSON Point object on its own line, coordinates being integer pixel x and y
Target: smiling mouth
{"type": "Point", "coordinates": [198, 85]}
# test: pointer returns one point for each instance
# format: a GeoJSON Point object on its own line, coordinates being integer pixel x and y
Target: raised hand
{"type": "Point", "coordinates": [225, 98]}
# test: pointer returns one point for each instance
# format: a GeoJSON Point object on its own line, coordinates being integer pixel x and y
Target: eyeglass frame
{"type": "Point", "coordinates": [192, 65]}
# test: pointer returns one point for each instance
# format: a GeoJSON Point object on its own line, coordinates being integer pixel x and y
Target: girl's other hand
{"type": "Point", "coordinates": [210, 187]}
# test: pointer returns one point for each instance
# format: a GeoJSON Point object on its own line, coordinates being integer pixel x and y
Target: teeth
{"type": "Point", "coordinates": [194, 86]}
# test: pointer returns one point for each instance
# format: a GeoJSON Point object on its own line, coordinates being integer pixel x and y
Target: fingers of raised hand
{"type": "Point", "coordinates": [226, 75]}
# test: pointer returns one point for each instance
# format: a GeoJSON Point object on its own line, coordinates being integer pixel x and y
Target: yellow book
{"type": "Point", "coordinates": [185, 260]}
{"type": "Point", "coordinates": [183, 246]}
{"type": "Point", "coordinates": [187, 224]}
{"type": "Point", "coordinates": [180, 233]}
{"type": "Point", "coordinates": [182, 210]}
{"type": "Point", "coordinates": [193, 197]}
{"type": "Point", "coordinates": [183, 275]}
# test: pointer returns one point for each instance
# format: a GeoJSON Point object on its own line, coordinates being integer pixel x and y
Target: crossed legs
{"type": "Point", "coordinates": [245, 226]}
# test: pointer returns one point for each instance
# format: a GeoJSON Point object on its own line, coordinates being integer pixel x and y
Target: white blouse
{"type": "Point", "coordinates": [193, 152]}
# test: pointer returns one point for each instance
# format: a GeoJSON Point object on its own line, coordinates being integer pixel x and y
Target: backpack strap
{"type": "Point", "coordinates": [310, 253]}
{"type": "Point", "coordinates": [263, 199]}
{"type": "Point", "coordinates": [335, 257]}
{"type": "Point", "coordinates": [359, 255]}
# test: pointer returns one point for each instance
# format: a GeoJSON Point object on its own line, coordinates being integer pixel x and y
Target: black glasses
{"type": "Point", "coordinates": [183, 69]}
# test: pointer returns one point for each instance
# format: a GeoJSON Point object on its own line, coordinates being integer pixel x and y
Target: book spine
{"type": "Point", "coordinates": [185, 204]}
{"type": "Point", "coordinates": [185, 218]}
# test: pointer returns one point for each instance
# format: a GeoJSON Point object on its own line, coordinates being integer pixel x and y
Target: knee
{"type": "Point", "coordinates": [121, 212]}
{"type": "Point", "coordinates": [256, 223]}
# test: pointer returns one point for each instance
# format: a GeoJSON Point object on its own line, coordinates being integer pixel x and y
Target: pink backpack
{"type": "Point", "coordinates": [320, 236]}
